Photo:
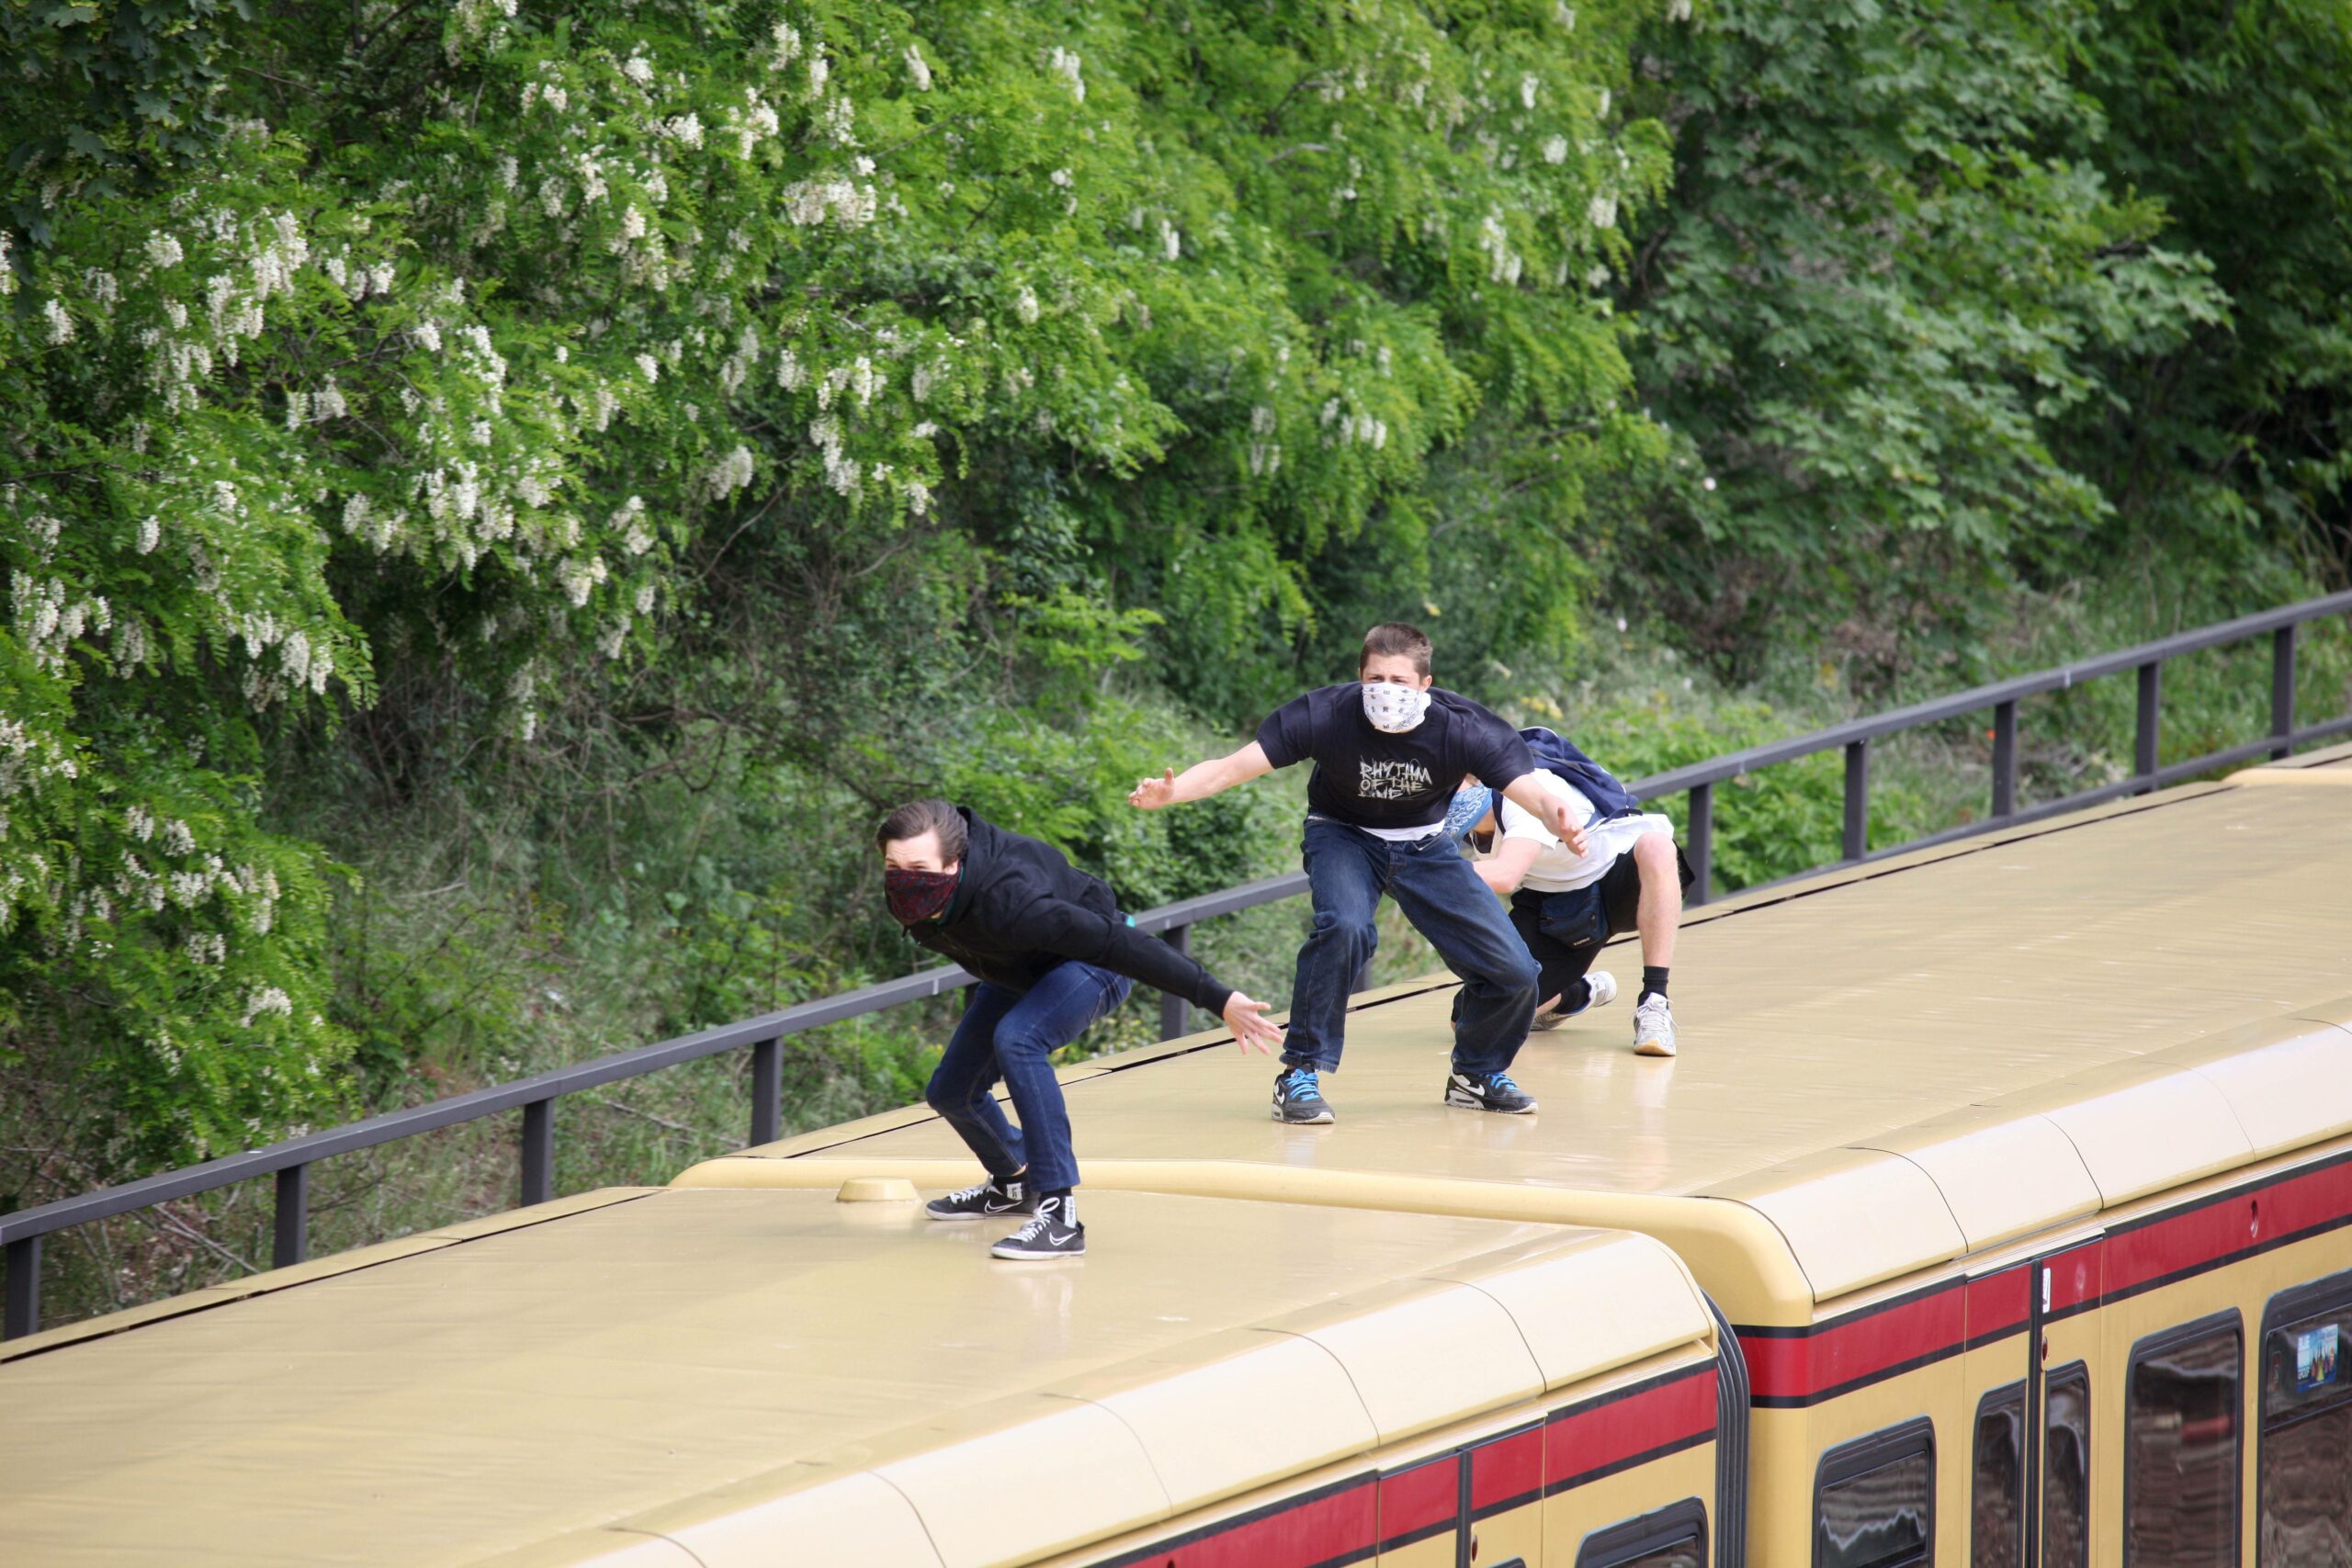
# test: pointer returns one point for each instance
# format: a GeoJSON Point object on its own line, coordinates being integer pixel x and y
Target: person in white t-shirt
{"type": "Point", "coordinates": [1564, 905]}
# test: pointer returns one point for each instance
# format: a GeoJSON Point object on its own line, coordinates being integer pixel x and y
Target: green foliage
{"type": "Point", "coordinates": [1878, 299]}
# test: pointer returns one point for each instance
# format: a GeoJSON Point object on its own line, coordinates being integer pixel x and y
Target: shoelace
{"type": "Point", "coordinates": [968, 1194]}
{"type": "Point", "coordinates": [1501, 1080]}
{"type": "Point", "coordinates": [1037, 1225]}
{"type": "Point", "coordinates": [1301, 1081]}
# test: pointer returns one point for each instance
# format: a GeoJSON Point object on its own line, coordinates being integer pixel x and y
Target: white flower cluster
{"type": "Point", "coordinates": [809, 202]}
{"type": "Point", "coordinates": [1602, 211]}
{"type": "Point", "coordinates": [730, 474]}
{"type": "Point", "coordinates": [1066, 64]}
{"type": "Point", "coordinates": [840, 471]}
{"type": "Point", "coordinates": [1346, 427]}
{"type": "Point", "coordinates": [1265, 452]}
{"type": "Point", "coordinates": [49, 616]}
{"type": "Point", "coordinates": [268, 1001]}
{"type": "Point", "coordinates": [918, 72]}
{"type": "Point", "coordinates": [1504, 264]}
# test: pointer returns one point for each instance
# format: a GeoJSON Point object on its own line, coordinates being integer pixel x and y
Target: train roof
{"type": "Point", "coordinates": [659, 1378]}
{"type": "Point", "coordinates": [1894, 1066]}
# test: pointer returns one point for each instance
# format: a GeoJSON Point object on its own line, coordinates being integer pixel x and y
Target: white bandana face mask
{"type": "Point", "coordinates": [1393, 708]}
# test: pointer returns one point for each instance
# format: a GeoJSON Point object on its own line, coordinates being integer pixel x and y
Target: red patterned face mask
{"type": "Point", "coordinates": [915, 897]}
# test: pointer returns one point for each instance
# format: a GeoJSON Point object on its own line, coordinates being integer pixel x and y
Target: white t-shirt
{"type": "Point", "coordinates": [1557, 870]}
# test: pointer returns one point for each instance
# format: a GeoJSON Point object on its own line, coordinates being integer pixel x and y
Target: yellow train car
{"type": "Point", "coordinates": [2023, 1168]}
{"type": "Point", "coordinates": [671, 1377]}
{"type": "Point", "coordinates": [1998, 1212]}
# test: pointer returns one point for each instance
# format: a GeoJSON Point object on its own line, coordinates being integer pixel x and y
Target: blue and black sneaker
{"type": "Point", "coordinates": [1298, 1098]}
{"type": "Point", "coordinates": [1487, 1091]}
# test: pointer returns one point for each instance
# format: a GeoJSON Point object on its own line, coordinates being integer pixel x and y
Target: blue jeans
{"type": "Point", "coordinates": [1011, 1035]}
{"type": "Point", "coordinates": [1347, 871]}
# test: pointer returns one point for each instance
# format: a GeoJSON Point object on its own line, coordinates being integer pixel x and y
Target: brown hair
{"type": "Point", "coordinates": [917, 818]}
{"type": "Point", "coordinates": [1394, 638]}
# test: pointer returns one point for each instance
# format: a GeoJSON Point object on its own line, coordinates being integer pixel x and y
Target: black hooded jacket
{"type": "Point", "coordinates": [1021, 908]}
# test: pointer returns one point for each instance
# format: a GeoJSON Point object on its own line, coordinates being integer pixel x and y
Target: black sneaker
{"type": "Point", "coordinates": [1052, 1231]}
{"type": "Point", "coordinates": [991, 1199]}
{"type": "Point", "coordinates": [1488, 1091]}
{"type": "Point", "coordinates": [1298, 1098]}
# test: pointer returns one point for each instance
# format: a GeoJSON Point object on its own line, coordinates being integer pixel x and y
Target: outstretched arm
{"type": "Point", "coordinates": [1549, 809]}
{"type": "Point", "coordinates": [1201, 780]}
{"type": "Point", "coordinates": [1507, 867]}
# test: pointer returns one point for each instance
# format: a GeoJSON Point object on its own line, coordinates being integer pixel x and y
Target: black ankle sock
{"type": "Point", "coordinates": [1575, 995]}
{"type": "Point", "coordinates": [1652, 982]}
{"type": "Point", "coordinates": [1061, 1192]}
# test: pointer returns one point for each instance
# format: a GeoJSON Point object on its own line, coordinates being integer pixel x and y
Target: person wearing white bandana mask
{"type": "Point", "coordinates": [1388, 750]}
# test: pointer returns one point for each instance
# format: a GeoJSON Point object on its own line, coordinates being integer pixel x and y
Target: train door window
{"type": "Point", "coordinates": [2180, 1447]}
{"type": "Point", "coordinates": [1875, 1500]}
{"type": "Point", "coordinates": [2066, 1468]}
{"type": "Point", "coordinates": [2305, 1485]}
{"type": "Point", "coordinates": [1996, 1513]}
{"type": "Point", "coordinates": [1673, 1536]}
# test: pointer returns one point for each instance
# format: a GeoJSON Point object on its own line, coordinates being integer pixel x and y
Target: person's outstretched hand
{"type": "Point", "coordinates": [1563, 823]}
{"type": "Point", "coordinates": [1150, 795]}
{"type": "Point", "coordinates": [1248, 1021]}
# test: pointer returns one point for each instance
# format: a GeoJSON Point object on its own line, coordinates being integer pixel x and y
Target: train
{"type": "Point", "coordinates": [1996, 1212]}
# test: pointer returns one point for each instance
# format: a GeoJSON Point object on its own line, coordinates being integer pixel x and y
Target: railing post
{"type": "Point", "coordinates": [768, 1091]}
{"type": "Point", "coordinates": [2005, 758]}
{"type": "Point", "coordinates": [1172, 1013]}
{"type": "Point", "coordinates": [1857, 799]}
{"type": "Point", "coordinates": [539, 1152]}
{"type": "Point", "coordinates": [2283, 691]}
{"type": "Point", "coordinates": [1701, 848]}
{"type": "Point", "coordinates": [2150, 729]}
{"type": "Point", "coordinates": [23, 1315]}
{"type": "Point", "coordinates": [291, 1244]}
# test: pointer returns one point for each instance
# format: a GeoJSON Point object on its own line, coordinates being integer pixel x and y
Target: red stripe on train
{"type": "Point", "coordinates": [1794, 1367]}
{"type": "Point", "coordinates": [1328, 1528]}
{"type": "Point", "coordinates": [1579, 1442]}
{"type": "Point", "coordinates": [1807, 1364]}
{"type": "Point", "coordinates": [1506, 1468]}
{"type": "Point", "coordinates": [1416, 1499]}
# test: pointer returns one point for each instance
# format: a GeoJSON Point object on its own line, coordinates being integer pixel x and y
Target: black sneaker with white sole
{"type": "Point", "coordinates": [1052, 1231]}
{"type": "Point", "coordinates": [991, 1199]}
{"type": "Point", "coordinates": [1488, 1091]}
{"type": "Point", "coordinates": [1298, 1098]}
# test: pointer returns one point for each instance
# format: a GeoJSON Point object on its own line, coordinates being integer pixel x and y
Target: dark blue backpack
{"type": "Point", "coordinates": [1559, 756]}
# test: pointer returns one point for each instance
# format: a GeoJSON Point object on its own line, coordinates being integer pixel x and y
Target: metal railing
{"type": "Point", "coordinates": [290, 1162]}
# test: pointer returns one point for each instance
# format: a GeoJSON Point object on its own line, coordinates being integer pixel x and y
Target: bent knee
{"type": "Point", "coordinates": [1355, 933]}
{"type": "Point", "coordinates": [1655, 852]}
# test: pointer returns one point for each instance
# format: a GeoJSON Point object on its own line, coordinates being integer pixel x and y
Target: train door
{"type": "Point", "coordinates": [2063, 1352]}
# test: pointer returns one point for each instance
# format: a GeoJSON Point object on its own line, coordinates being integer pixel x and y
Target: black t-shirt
{"type": "Point", "coordinates": [1370, 779]}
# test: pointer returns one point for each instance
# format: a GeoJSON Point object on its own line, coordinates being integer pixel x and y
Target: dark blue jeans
{"type": "Point", "coordinates": [1011, 1035]}
{"type": "Point", "coordinates": [1347, 871]}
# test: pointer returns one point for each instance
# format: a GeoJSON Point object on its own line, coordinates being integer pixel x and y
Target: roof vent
{"type": "Point", "coordinates": [876, 1190]}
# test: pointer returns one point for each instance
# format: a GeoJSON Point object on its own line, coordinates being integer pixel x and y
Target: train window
{"type": "Point", "coordinates": [2304, 1489]}
{"type": "Point", "coordinates": [2180, 1447]}
{"type": "Point", "coordinates": [1996, 1514]}
{"type": "Point", "coordinates": [2066, 1468]}
{"type": "Point", "coordinates": [1673, 1536]}
{"type": "Point", "coordinates": [1875, 1500]}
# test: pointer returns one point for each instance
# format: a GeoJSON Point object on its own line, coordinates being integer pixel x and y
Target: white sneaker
{"type": "Point", "coordinates": [1654, 1027]}
{"type": "Point", "coordinates": [1604, 991]}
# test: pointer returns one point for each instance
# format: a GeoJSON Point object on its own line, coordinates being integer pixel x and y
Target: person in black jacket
{"type": "Point", "coordinates": [1053, 954]}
